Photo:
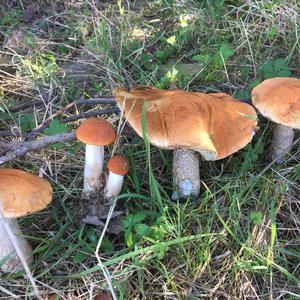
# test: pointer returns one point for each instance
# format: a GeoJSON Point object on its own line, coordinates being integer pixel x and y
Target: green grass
{"type": "Point", "coordinates": [242, 235]}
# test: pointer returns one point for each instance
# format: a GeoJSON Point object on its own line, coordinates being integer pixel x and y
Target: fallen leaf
{"type": "Point", "coordinates": [29, 12]}
{"type": "Point", "coordinates": [14, 41]}
{"type": "Point", "coordinates": [50, 297]}
{"type": "Point", "coordinates": [92, 220]}
{"type": "Point", "coordinates": [102, 296]}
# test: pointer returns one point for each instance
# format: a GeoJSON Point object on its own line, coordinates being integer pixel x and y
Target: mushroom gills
{"type": "Point", "coordinates": [282, 142]}
{"type": "Point", "coordinates": [186, 176]}
{"type": "Point", "coordinates": [9, 260]}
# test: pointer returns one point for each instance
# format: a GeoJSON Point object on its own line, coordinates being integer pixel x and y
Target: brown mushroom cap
{"type": "Point", "coordinates": [97, 132]}
{"type": "Point", "coordinates": [216, 125]}
{"type": "Point", "coordinates": [22, 193]}
{"type": "Point", "coordinates": [118, 164]}
{"type": "Point", "coordinates": [278, 99]}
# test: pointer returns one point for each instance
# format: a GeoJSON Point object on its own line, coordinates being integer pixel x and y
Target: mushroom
{"type": "Point", "coordinates": [118, 167]}
{"type": "Point", "coordinates": [214, 125]}
{"type": "Point", "coordinates": [20, 194]}
{"type": "Point", "coordinates": [278, 99]}
{"type": "Point", "coordinates": [95, 133]}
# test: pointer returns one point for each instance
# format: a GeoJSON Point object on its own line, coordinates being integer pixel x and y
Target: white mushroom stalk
{"type": "Point", "coordinates": [113, 185]}
{"type": "Point", "coordinates": [186, 175]}
{"type": "Point", "coordinates": [10, 261]}
{"type": "Point", "coordinates": [93, 167]}
{"type": "Point", "coordinates": [118, 166]}
{"type": "Point", "coordinates": [282, 142]}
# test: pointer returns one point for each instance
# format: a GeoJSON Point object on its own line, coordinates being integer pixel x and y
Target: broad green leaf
{"type": "Point", "coordinates": [139, 217]}
{"type": "Point", "coordinates": [224, 52]}
{"type": "Point", "coordinates": [27, 122]}
{"type": "Point", "coordinates": [107, 245]}
{"type": "Point", "coordinates": [92, 236]}
{"type": "Point", "coordinates": [201, 58]}
{"type": "Point", "coordinates": [79, 257]}
{"type": "Point", "coordinates": [141, 229]}
{"type": "Point", "coordinates": [274, 68]}
{"type": "Point", "coordinates": [55, 127]}
{"type": "Point", "coordinates": [256, 217]}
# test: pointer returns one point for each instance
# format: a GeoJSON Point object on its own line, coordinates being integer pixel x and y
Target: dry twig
{"type": "Point", "coordinates": [17, 149]}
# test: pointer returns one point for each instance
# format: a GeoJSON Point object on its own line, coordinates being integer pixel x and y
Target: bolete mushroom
{"type": "Point", "coordinates": [20, 194]}
{"type": "Point", "coordinates": [95, 133]}
{"type": "Point", "coordinates": [118, 166]}
{"type": "Point", "coordinates": [215, 125]}
{"type": "Point", "coordinates": [278, 99]}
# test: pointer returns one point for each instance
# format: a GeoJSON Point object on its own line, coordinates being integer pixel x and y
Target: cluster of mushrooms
{"type": "Point", "coordinates": [22, 193]}
{"type": "Point", "coordinates": [95, 134]}
{"type": "Point", "coordinates": [212, 125]}
{"type": "Point", "coordinates": [190, 123]}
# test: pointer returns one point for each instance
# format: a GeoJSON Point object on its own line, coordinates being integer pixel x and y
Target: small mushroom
{"type": "Point", "coordinates": [95, 133]}
{"type": "Point", "coordinates": [214, 125]}
{"type": "Point", "coordinates": [278, 99]}
{"type": "Point", "coordinates": [118, 167]}
{"type": "Point", "coordinates": [20, 194]}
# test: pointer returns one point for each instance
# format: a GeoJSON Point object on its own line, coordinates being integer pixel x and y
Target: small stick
{"type": "Point", "coordinates": [90, 114]}
{"type": "Point", "coordinates": [94, 101]}
{"type": "Point", "coordinates": [45, 123]}
{"type": "Point", "coordinates": [50, 118]}
{"type": "Point", "coordinates": [89, 101]}
{"type": "Point", "coordinates": [13, 150]}
{"type": "Point", "coordinates": [21, 148]}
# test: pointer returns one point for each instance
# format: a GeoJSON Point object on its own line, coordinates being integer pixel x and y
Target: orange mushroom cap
{"type": "Point", "coordinates": [22, 193]}
{"type": "Point", "coordinates": [97, 132]}
{"type": "Point", "coordinates": [278, 99]}
{"type": "Point", "coordinates": [216, 125]}
{"type": "Point", "coordinates": [118, 164]}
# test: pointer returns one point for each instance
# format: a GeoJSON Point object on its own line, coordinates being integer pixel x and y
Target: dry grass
{"type": "Point", "coordinates": [214, 248]}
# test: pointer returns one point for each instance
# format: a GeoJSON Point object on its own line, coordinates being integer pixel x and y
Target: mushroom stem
{"type": "Point", "coordinates": [94, 157]}
{"type": "Point", "coordinates": [11, 261]}
{"type": "Point", "coordinates": [186, 176]}
{"type": "Point", "coordinates": [282, 142]}
{"type": "Point", "coordinates": [113, 185]}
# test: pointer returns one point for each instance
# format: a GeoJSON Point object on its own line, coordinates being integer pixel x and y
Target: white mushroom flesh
{"type": "Point", "coordinates": [94, 157]}
{"type": "Point", "coordinates": [113, 185]}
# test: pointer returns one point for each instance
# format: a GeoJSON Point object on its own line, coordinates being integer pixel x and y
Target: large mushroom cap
{"type": "Point", "coordinates": [118, 164]}
{"type": "Point", "coordinates": [97, 132]}
{"type": "Point", "coordinates": [278, 99]}
{"type": "Point", "coordinates": [216, 125]}
{"type": "Point", "coordinates": [22, 193]}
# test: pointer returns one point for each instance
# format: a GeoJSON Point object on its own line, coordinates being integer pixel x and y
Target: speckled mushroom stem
{"type": "Point", "coordinates": [11, 261]}
{"type": "Point", "coordinates": [93, 166]}
{"type": "Point", "coordinates": [282, 142]}
{"type": "Point", "coordinates": [186, 176]}
{"type": "Point", "coordinates": [113, 185]}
